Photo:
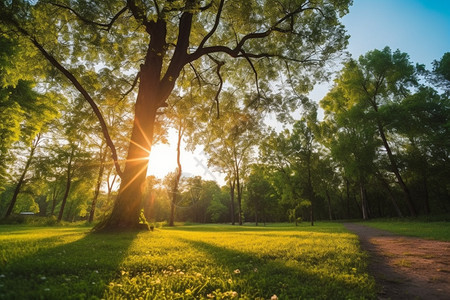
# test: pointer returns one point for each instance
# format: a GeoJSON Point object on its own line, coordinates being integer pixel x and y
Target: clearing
{"type": "Point", "coordinates": [187, 262]}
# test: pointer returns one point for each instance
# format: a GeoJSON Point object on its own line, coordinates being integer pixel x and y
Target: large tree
{"type": "Point", "coordinates": [156, 40]}
{"type": "Point", "coordinates": [351, 139]}
{"type": "Point", "coordinates": [375, 80]}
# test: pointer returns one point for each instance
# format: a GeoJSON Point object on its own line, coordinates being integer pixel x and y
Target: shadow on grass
{"type": "Point", "coordinates": [329, 227]}
{"type": "Point", "coordinates": [64, 267]}
{"type": "Point", "coordinates": [263, 277]}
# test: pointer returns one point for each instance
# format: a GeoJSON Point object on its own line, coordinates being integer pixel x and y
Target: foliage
{"type": "Point", "coordinates": [381, 123]}
{"type": "Point", "coordinates": [191, 262]}
{"type": "Point", "coordinates": [260, 194]}
{"type": "Point", "coordinates": [441, 73]}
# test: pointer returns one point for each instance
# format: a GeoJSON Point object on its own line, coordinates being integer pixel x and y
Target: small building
{"type": "Point", "coordinates": [26, 213]}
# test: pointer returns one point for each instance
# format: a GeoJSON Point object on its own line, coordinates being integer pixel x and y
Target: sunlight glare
{"type": "Point", "coordinates": [162, 160]}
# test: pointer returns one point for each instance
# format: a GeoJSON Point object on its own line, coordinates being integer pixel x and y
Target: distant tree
{"type": "Point", "coordinates": [304, 157]}
{"type": "Point", "coordinates": [377, 79]}
{"type": "Point", "coordinates": [230, 141]}
{"type": "Point", "coordinates": [24, 117]}
{"type": "Point", "coordinates": [421, 120]}
{"type": "Point", "coordinates": [218, 209]}
{"type": "Point", "coordinates": [351, 138]}
{"type": "Point", "coordinates": [171, 183]}
{"type": "Point", "coordinates": [156, 202]}
{"type": "Point", "coordinates": [102, 156]}
{"type": "Point", "coordinates": [70, 151]}
{"type": "Point", "coordinates": [210, 192]}
{"type": "Point", "coordinates": [260, 193]}
{"type": "Point", "coordinates": [179, 108]}
{"type": "Point", "coordinates": [192, 198]}
{"type": "Point", "coordinates": [275, 153]}
{"type": "Point", "coordinates": [21, 180]}
{"type": "Point", "coordinates": [295, 154]}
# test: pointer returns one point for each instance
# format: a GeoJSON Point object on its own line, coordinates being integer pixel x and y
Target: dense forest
{"type": "Point", "coordinates": [377, 145]}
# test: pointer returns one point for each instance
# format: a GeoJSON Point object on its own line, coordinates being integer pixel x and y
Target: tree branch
{"type": "Point", "coordinates": [80, 88]}
{"type": "Point", "coordinates": [207, 6]}
{"type": "Point", "coordinates": [216, 24]}
{"type": "Point", "coordinates": [156, 7]}
{"type": "Point", "coordinates": [133, 85]}
{"type": "Point", "coordinates": [179, 58]}
{"type": "Point", "coordinates": [254, 71]}
{"type": "Point", "coordinates": [216, 98]}
{"type": "Point", "coordinates": [236, 51]}
{"type": "Point", "coordinates": [105, 26]}
{"type": "Point", "coordinates": [139, 14]}
{"type": "Point", "coordinates": [197, 75]}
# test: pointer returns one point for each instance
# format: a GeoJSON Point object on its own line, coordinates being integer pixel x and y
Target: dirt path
{"type": "Point", "coordinates": [405, 267]}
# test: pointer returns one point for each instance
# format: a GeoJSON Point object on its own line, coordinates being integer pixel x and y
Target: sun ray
{"type": "Point", "coordinates": [149, 143]}
{"type": "Point", "coordinates": [136, 159]}
{"type": "Point", "coordinates": [140, 146]}
{"type": "Point", "coordinates": [134, 178]}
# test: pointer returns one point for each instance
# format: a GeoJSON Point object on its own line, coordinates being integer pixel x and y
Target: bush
{"type": "Point", "coordinates": [30, 220]}
{"type": "Point", "coordinates": [13, 220]}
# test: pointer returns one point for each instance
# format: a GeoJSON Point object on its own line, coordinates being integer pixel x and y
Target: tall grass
{"type": "Point", "coordinates": [190, 262]}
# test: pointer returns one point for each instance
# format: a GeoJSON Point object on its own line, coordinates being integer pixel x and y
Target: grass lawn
{"type": "Point", "coordinates": [188, 262]}
{"type": "Point", "coordinates": [427, 230]}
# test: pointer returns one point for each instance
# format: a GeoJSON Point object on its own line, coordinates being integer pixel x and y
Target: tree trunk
{"type": "Point", "coordinates": [172, 210]}
{"type": "Point", "coordinates": [154, 89]}
{"type": "Point", "coordinates": [239, 192]}
{"type": "Point", "coordinates": [232, 185]}
{"type": "Point", "coordinates": [394, 167]}
{"type": "Point", "coordinates": [358, 205]}
{"type": "Point", "coordinates": [310, 190]}
{"type": "Point", "coordinates": [125, 214]}
{"type": "Point", "coordinates": [391, 196]}
{"type": "Point", "coordinates": [68, 184]}
{"type": "Point", "coordinates": [55, 195]}
{"type": "Point", "coordinates": [362, 190]}
{"type": "Point", "coordinates": [22, 177]}
{"type": "Point", "coordinates": [239, 198]}
{"type": "Point", "coordinates": [110, 185]}
{"type": "Point", "coordinates": [99, 183]}
{"type": "Point", "coordinates": [348, 197]}
{"type": "Point", "coordinates": [256, 214]}
{"type": "Point", "coordinates": [329, 205]}
{"type": "Point", "coordinates": [126, 210]}
{"type": "Point", "coordinates": [177, 179]}
{"type": "Point", "coordinates": [426, 197]}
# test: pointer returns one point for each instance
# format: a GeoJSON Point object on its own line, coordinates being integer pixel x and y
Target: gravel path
{"type": "Point", "coordinates": [405, 267]}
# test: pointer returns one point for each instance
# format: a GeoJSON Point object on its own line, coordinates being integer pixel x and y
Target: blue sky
{"type": "Point", "coordinates": [420, 28]}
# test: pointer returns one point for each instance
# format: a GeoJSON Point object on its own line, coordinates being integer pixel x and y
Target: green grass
{"type": "Point", "coordinates": [427, 230]}
{"type": "Point", "coordinates": [189, 262]}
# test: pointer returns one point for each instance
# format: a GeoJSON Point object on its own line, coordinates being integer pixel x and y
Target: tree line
{"type": "Point", "coordinates": [380, 150]}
